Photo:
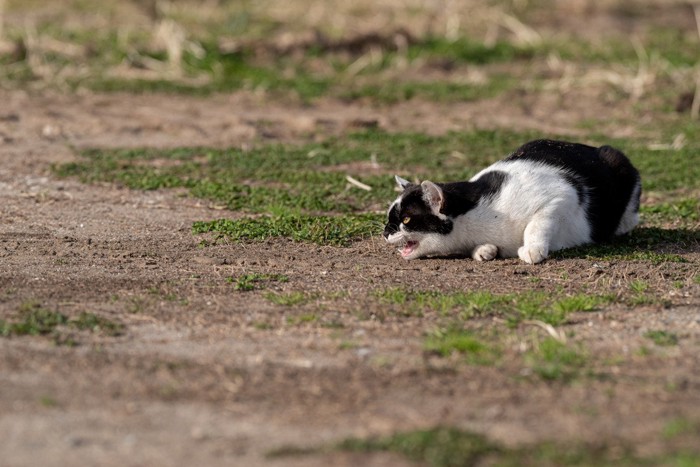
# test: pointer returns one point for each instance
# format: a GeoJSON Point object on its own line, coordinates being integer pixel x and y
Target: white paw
{"type": "Point", "coordinates": [533, 254]}
{"type": "Point", "coordinates": [485, 252]}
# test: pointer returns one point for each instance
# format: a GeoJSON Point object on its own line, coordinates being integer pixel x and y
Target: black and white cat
{"type": "Point", "coordinates": [545, 196]}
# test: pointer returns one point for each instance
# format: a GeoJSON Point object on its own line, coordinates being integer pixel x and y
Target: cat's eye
{"type": "Point", "coordinates": [406, 220]}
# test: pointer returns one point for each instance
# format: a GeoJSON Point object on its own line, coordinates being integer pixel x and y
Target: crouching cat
{"type": "Point", "coordinates": [545, 196]}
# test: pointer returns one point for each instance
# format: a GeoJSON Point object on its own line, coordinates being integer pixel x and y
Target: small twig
{"type": "Point", "coordinates": [557, 335]}
{"type": "Point", "coordinates": [358, 183]}
{"type": "Point", "coordinates": [678, 143]}
{"type": "Point", "coordinates": [695, 107]}
{"type": "Point", "coordinates": [525, 34]}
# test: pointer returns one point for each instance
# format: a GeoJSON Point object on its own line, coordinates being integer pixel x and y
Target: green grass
{"type": "Point", "coordinates": [48, 402]}
{"type": "Point", "coordinates": [323, 230]}
{"type": "Point", "coordinates": [662, 338]}
{"type": "Point", "coordinates": [293, 298]}
{"type": "Point", "coordinates": [552, 360]}
{"type": "Point", "coordinates": [445, 446]}
{"type": "Point", "coordinates": [305, 318]}
{"type": "Point", "coordinates": [304, 192]}
{"type": "Point", "coordinates": [679, 427]}
{"type": "Point", "coordinates": [469, 51]}
{"type": "Point", "coordinates": [638, 286]}
{"type": "Point", "coordinates": [581, 302]}
{"type": "Point", "coordinates": [303, 177]}
{"type": "Point", "coordinates": [642, 244]}
{"type": "Point", "coordinates": [476, 350]}
{"type": "Point", "coordinates": [685, 211]}
{"type": "Point", "coordinates": [549, 308]}
{"type": "Point", "coordinates": [394, 295]}
{"type": "Point", "coordinates": [91, 322]}
{"type": "Point", "coordinates": [665, 170]}
{"type": "Point", "coordinates": [467, 304]}
{"type": "Point", "coordinates": [435, 447]}
{"type": "Point", "coordinates": [250, 281]}
{"type": "Point", "coordinates": [33, 319]}
{"type": "Point", "coordinates": [536, 306]}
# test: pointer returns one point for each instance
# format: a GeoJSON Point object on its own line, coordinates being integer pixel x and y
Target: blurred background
{"type": "Point", "coordinates": [640, 55]}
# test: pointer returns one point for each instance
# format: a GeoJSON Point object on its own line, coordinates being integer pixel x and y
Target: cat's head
{"type": "Point", "coordinates": [415, 221]}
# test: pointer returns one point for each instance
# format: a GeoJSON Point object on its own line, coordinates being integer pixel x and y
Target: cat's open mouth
{"type": "Point", "coordinates": [408, 248]}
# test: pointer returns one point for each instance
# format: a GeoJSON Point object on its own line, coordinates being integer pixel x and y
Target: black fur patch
{"type": "Point", "coordinates": [605, 173]}
{"type": "Point", "coordinates": [462, 197]}
{"type": "Point", "coordinates": [421, 216]}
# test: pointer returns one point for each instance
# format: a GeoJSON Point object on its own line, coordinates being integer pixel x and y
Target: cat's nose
{"type": "Point", "coordinates": [388, 230]}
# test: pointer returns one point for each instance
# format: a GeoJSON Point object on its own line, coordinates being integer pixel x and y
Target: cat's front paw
{"type": "Point", "coordinates": [485, 252]}
{"type": "Point", "coordinates": [533, 254]}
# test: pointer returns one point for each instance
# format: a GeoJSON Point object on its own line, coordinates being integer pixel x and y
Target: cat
{"type": "Point", "coordinates": [545, 196]}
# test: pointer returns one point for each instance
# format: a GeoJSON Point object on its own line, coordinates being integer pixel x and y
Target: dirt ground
{"type": "Point", "coordinates": [204, 374]}
{"type": "Point", "coordinates": [194, 381]}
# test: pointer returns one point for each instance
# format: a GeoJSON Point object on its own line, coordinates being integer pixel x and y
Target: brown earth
{"type": "Point", "coordinates": [208, 375]}
{"type": "Point", "coordinates": [197, 380]}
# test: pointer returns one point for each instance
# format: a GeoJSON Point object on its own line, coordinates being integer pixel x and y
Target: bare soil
{"type": "Point", "coordinates": [196, 379]}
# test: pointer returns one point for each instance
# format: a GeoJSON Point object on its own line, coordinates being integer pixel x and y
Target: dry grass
{"type": "Point", "coordinates": [156, 38]}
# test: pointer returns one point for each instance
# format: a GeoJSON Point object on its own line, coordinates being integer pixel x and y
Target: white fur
{"type": "Point", "coordinates": [631, 216]}
{"type": "Point", "coordinates": [535, 212]}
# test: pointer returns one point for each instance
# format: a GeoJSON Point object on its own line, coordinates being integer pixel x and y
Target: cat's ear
{"type": "Point", "coordinates": [433, 196]}
{"type": "Point", "coordinates": [402, 182]}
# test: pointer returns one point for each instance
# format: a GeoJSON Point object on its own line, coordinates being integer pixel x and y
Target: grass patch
{"type": "Point", "coordinates": [293, 298]}
{"type": "Point", "coordinates": [656, 171]}
{"type": "Point", "coordinates": [451, 447]}
{"type": "Point", "coordinates": [581, 302]}
{"type": "Point", "coordinates": [552, 360]}
{"type": "Point", "coordinates": [640, 245]}
{"type": "Point", "coordinates": [466, 50]}
{"type": "Point", "coordinates": [94, 323]}
{"type": "Point", "coordinates": [34, 320]}
{"type": "Point", "coordinates": [338, 230]}
{"type": "Point", "coordinates": [467, 343]}
{"type": "Point", "coordinates": [685, 210]}
{"type": "Point", "coordinates": [303, 177]}
{"type": "Point", "coordinates": [679, 427]}
{"type": "Point", "coordinates": [305, 318]}
{"type": "Point", "coordinates": [248, 282]}
{"type": "Point", "coordinates": [515, 307]}
{"type": "Point", "coordinates": [393, 295]}
{"type": "Point", "coordinates": [639, 289]}
{"type": "Point", "coordinates": [467, 304]}
{"type": "Point", "coordinates": [535, 306]}
{"type": "Point", "coordinates": [435, 447]}
{"type": "Point", "coordinates": [662, 338]}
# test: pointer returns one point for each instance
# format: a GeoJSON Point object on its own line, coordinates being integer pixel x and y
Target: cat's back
{"type": "Point", "coordinates": [595, 164]}
{"type": "Point", "coordinates": [606, 183]}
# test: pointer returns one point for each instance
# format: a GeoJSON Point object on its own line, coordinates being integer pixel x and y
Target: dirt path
{"type": "Point", "coordinates": [195, 379]}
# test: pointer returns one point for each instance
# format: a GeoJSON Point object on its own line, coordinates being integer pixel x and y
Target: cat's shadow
{"type": "Point", "coordinates": [651, 242]}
